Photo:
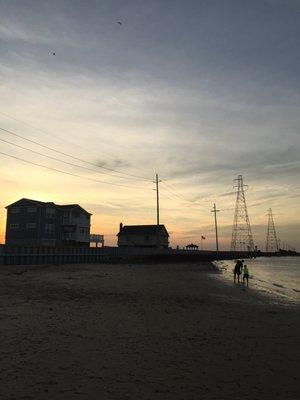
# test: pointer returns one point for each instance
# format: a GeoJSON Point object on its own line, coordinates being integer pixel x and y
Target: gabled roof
{"type": "Point", "coordinates": [71, 206]}
{"type": "Point", "coordinates": [24, 201]}
{"type": "Point", "coordinates": [37, 203]}
{"type": "Point", "coordinates": [68, 205]}
{"type": "Point", "coordinates": [143, 230]}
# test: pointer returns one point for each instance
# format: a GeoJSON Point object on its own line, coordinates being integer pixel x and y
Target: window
{"type": "Point", "coordinates": [15, 210]}
{"type": "Point", "coordinates": [50, 213]}
{"type": "Point", "coordinates": [31, 225]}
{"type": "Point", "coordinates": [76, 213]}
{"type": "Point", "coordinates": [66, 217]}
{"type": "Point", "coordinates": [14, 226]}
{"type": "Point", "coordinates": [31, 209]}
{"type": "Point", "coordinates": [48, 242]}
{"type": "Point", "coordinates": [49, 228]}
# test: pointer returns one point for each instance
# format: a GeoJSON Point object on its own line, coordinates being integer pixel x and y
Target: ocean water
{"type": "Point", "coordinates": [277, 276]}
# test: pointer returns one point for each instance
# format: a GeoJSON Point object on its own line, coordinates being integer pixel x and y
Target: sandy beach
{"type": "Point", "coordinates": [142, 332]}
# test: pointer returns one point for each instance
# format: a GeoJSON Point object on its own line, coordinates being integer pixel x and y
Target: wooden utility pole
{"type": "Point", "coordinates": [214, 210]}
{"type": "Point", "coordinates": [157, 200]}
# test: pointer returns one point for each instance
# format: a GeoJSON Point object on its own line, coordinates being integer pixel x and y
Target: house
{"type": "Point", "coordinates": [37, 223]}
{"type": "Point", "coordinates": [143, 236]}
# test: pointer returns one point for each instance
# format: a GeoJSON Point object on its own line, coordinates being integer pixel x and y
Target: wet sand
{"type": "Point", "coordinates": [142, 332]}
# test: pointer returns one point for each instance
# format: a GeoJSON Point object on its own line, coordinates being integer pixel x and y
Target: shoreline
{"type": "Point", "coordinates": [138, 331]}
{"type": "Point", "coordinates": [274, 291]}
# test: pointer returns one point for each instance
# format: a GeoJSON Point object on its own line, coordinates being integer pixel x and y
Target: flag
{"type": "Point", "coordinates": [203, 237]}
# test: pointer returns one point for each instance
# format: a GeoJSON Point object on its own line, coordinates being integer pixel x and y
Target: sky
{"type": "Point", "coordinates": [198, 91]}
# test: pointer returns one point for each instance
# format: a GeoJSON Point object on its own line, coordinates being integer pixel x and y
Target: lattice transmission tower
{"type": "Point", "coordinates": [272, 243]}
{"type": "Point", "coordinates": [242, 239]}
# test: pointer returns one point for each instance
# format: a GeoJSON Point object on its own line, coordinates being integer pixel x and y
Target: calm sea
{"type": "Point", "coordinates": [278, 276]}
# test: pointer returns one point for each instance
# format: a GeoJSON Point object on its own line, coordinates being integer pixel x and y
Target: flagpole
{"type": "Point", "coordinates": [202, 238]}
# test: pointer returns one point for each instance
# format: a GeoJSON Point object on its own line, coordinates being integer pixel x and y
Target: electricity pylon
{"type": "Point", "coordinates": [241, 231]}
{"type": "Point", "coordinates": [272, 244]}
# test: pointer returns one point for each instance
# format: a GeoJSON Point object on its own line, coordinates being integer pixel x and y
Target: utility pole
{"type": "Point", "coordinates": [214, 210]}
{"type": "Point", "coordinates": [157, 200]}
{"type": "Point", "coordinates": [157, 207]}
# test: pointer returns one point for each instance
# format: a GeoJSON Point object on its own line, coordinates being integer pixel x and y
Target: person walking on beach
{"type": "Point", "coordinates": [246, 275]}
{"type": "Point", "coordinates": [235, 271]}
{"type": "Point", "coordinates": [242, 266]}
{"type": "Point", "coordinates": [238, 270]}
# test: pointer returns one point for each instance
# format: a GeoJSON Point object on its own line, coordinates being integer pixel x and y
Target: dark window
{"type": "Point", "coordinates": [49, 228]}
{"type": "Point", "coordinates": [14, 226]}
{"type": "Point", "coordinates": [31, 225]}
{"type": "Point", "coordinates": [50, 212]}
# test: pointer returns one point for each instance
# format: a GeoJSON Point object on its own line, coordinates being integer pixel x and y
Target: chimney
{"type": "Point", "coordinates": [121, 226]}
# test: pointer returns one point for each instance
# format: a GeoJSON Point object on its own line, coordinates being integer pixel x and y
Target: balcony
{"type": "Point", "coordinates": [69, 221]}
{"type": "Point", "coordinates": [69, 236]}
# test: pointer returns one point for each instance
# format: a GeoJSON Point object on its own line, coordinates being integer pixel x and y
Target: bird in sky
{"type": "Point", "coordinates": [120, 23]}
{"type": "Point", "coordinates": [54, 54]}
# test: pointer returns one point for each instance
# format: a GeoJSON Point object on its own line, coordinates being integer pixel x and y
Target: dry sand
{"type": "Point", "coordinates": [142, 332]}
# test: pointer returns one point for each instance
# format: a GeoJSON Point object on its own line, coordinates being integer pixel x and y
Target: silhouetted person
{"type": "Point", "coordinates": [246, 275]}
{"type": "Point", "coordinates": [241, 266]}
{"type": "Point", "coordinates": [238, 269]}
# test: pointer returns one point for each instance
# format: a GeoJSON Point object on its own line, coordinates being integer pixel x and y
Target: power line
{"type": "Point", "coordinates": [172, 189]}
{"type": "Point", "coordinates": [68, 173]}
{"type": "Point", "coordinates": [175, 193]}
{"type": "Point", "coordinates": [175, 196]}
{"type": "Point", "coordinates": [75, 158]}
{"type": "Point", "coordinates": [167, 196]}
{"type": "Point", "coordinates": [47, 133]}
{"type": "Point", "coordinates": [58, 159]}
{"type": "Point", "coordinates": [33, 127]}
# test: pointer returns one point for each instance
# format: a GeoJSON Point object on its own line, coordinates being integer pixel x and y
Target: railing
{"type": "Point", "coordinates": [35, 255]}
{"type": "Point", "coordinates": [69, 221]}
{"type": "Point", "coordinates": [68, 236]}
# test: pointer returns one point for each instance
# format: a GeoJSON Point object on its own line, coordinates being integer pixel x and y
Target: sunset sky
{"type": "Point", "coordinates": [197, 91]}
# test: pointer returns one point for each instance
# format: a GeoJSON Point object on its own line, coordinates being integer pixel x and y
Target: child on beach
{"type": "Point", "coordinates": [246, 275]}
